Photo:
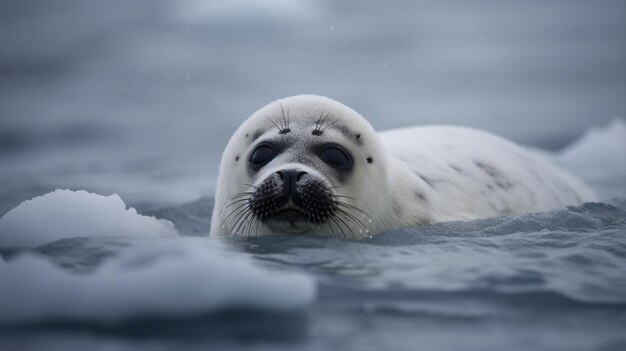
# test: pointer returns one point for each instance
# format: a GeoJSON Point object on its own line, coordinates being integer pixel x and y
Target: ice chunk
{"type": "Point", "coordinates": [599, 157]}
{"type": "Point", "coordinates": [167, 279]}
{"type": "Point", "coordinates": [67, 214]}
{"type": "Point", "coordinates": [598, 151]}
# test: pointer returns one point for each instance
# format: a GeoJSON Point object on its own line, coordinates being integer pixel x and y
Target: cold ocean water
{"type": "Point", "coordinates": [139, 99]}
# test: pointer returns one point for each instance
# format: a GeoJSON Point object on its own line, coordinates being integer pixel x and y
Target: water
{"type": "Point", "coordinates": [550, 280]}
{"type": "Point", "coordinates": [139, 99]}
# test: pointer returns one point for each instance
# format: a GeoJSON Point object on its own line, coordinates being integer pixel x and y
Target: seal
{"type": "Point", "coordinates": [310, 165]}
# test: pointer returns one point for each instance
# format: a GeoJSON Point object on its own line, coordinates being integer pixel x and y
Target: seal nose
{"type": "Point", "coordinates": [290, 178]}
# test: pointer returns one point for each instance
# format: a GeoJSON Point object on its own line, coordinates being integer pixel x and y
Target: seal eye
{"type": "Point", "coordinates": [263, 154]}
{"type": "Point", "coordinates": [336, 157]}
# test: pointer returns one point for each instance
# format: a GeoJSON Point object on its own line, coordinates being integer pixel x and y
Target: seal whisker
{"type": "Point", "coordinates": [353, 208]}
{"type": "Point", "coordinates": [250, 222]}
{"type": "Point", "coordinates": [282, 112]}
{"type": "Point", "coordinates": [256, 225]}
{"type": "Point", "coordinates": [241, 204]}
{"type": "Point", "coordinates": [244, 195]}
{"type": "Point", "coordinates": [319, 121]}
{"type": "Point", "coordinates": [355, 221]}
{"type": "Point", "coordinates": [309, 219]}
{"type": "Point", "coordinates": [236, 218]}
{"type": "Point", "coordinates": [274, 123]}
{"type": "Point", "coordinates": [330, 125]}
{"type": "Point", "coordinates": [344, 196]}
{"type": "Point", "coordinates": [241, 220]}
{"type": "Point", "coordinates": [245, 192]}
{"type": "Point", "coordinates": [337, 215]}
{"type": "Point", "coordinates": [285, 122]}
{"type": "Point", "coordinates": [256, 228]}
{"type": "Point", "coordinates": [344, 209]}
{"type": "Point", "coordinates": [242, 223]}
{"type": "Point", "coordinates": [345, 212]}
{"type": "Point", "coordinates": [318, 124]}
{"type": "Point", "coordinates": [330, 225]}
{"type": "Point", "coordinates": [236, 202]}
{"type": "Point", "coordinates": [338, 227]}
{"type": "Point", "coordinates": [241, 196]}
{"type": "Point", "coordinates": [237, 211]}
{"type": "Point", "coordinates": [245, 223]}
{"type": "Point", "coordinates": [316, 226]}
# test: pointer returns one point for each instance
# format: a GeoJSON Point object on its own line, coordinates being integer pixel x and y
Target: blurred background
{"type": "Point", "coordinates": [140, 97]}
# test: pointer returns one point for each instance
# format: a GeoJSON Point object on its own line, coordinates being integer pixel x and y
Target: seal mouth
{"type": "Point", "coordinates": [291, 221]}
{"type": "Point", "coordinates": [291, 201]}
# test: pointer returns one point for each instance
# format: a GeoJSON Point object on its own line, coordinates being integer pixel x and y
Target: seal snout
{"type": "Point", "coordinates": [293, 200]}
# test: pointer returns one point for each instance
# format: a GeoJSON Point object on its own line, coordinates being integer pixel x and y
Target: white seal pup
{"type": "Point", "coordinates": [309, 164]}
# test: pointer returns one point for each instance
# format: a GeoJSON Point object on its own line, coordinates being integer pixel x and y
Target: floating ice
{"type": "Point", "coordinates": [600, 151]}
{"type": "Point", "coordinates": [67, 214]}
{"type": "Point", "coordinates": [164, 278]}
{"type": "Point", "coordinates": [169, 278]}
{"type": "Point", "coordinates": [599, 157]}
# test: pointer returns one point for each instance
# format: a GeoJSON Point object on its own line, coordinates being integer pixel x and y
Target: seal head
{"type": "Point", "coordinates": [294, 167]}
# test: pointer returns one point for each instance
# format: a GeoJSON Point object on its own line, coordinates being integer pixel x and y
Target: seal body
{"type": "Point", "coordinates": [310, 165]}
